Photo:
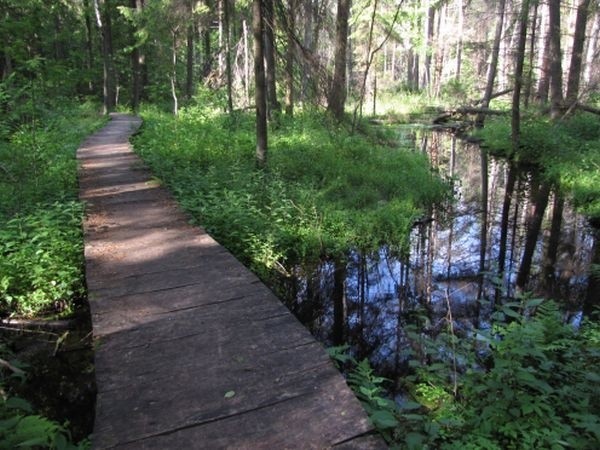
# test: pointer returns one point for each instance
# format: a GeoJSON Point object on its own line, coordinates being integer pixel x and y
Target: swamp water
{"type": "Point", "coordinates": [368, 302]}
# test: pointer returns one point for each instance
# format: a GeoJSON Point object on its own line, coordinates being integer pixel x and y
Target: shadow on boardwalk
{"type": "Point", "coordinates": [193, 351]}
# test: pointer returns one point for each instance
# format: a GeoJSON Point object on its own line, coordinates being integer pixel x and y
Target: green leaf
{"type": "Point", "coordinates": [410, 406]}
{"type": "Point", "coordinates": [511, 312]}
{"type": "Point", "coordinates": [384, 419]}
{"type": "Point", "coordinates": [19, 403]}
{"type": "Point", "coordinates": [534, 302]}
{"type": "Point", "coordinates": [414, 440]}
{"type": "Point", "coordinates": [229, 394]}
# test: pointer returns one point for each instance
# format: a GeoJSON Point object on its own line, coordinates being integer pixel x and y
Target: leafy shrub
{"type": "Point", "coordinates": [566, 152]}
{"type": "Point", "coordinates": [536, 387]}
{"type": "Point", "coordinates": [41, 266]}
{"type": "Point", "coordinates": [41, 260]}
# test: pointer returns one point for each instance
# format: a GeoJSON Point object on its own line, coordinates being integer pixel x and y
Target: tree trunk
{"type": "Point", "coordinates": [534, 225]}
{"type": "Point", "coordinates": [136, 75]}
{"type": "Point", "coordinates": [429, 32]}
{"type": "Point", "coordinates": [206, 44]}
{"type": "Point", "coordinates": [492, 68]}
{"type": "Point", "coordinates": [593, 50]}
{"type": "Point", "coordinates": [337, 91]}
{"type": "Point", "coordinates": [89, 44]}
{"type": "Point", "coordinates": [577, 53]}
{"type": "Point", "coordinates": [519, 63]}
{"type": "Point", "coordinates": [459, 44]}
{"type": "Point", "coordinates": [228, 74]}
{"type": "Point", "coordinates": [532, 39]}
{"type": "Point", "coordinates": [368, 60]}
{"type": "Point", "coordinates": [515, 134]}
{"type": "Point", "coordinates": [307, 43]}
{"type": "Point", "coordinates": [269, 49]}
{"type": "Point", "coordinates": [556, 96]}
{"type": "Point", "coordinates": [260, 97]}
{"type": "Point", "coordinates": [101, 9]}
{"type": "Point", "coordinates": [289, 58]}
{"type": "Point", "coordinates": [544, 77]}
{"type": "Point", "coordinates": [246, 62]}
{"type": "Point", "coordinates": [189, 57]}
{"type": "Point", "coordinates": [173, 77]}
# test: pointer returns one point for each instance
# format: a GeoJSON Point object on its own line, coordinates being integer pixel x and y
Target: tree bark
{"type": "Point", "coordinates": [89, 43]}
{"type": "Point", "coordinates": [577, 53]}
{"type": "Point", "coordinates": [173, 77]}
{"type": "Point", "coordinates": [246, 62]}
{"type": "Point", "coordinates": [337, 91]}
{"type": "Point", "coordinates": [556, 95]}
{"type": "Point", "coordinates": [228, 74]}
{"type": "Point", "coordinates": [532, 39]}
{"type": "Point", "coordinates": [289, 59]}
{"type": "Point", "coordinates": [189, 63]}
{"type": "Point", "coordinates": [136, 74]}
{"type": "Point", "coordinates": [269, 50]}
{"type": "Point", "coordinates": [206, 43]}
{"type": "Point", "coordinates": [429, 33]}
{"type": "Point", "coordinates": [260, 97]}
{"type": "Point", "coordinates": [492, 68]}
{"type": "Point", "coordinates": [459, 44]}
{"type": "Point", "coordinates": [519, 63]}
{"type": "Point", "coordinates": [544, 78]}
{"type": "Point", "coordinates": [308, 44]}
{"type": "Point", "coordinates": [101, 9]}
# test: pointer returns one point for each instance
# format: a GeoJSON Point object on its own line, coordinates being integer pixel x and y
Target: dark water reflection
{"type": "Point", "coordinates": [368, 301]}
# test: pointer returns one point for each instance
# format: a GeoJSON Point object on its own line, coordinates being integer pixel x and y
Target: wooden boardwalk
{"type": "Point", "coordinates": [192, 350]}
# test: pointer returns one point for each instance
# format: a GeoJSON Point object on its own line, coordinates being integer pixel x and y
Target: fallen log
{"type": "Point", "coordinates": [466, 110]}
{"type": "Point", "coordinates": [588, 108]}
{"type": "Point", "coordinates": [495, 95]}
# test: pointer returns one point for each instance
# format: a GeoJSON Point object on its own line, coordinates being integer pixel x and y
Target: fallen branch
{"type": "Point", "coordinates": [588, 108]}
{"type": "Point", "coordinates": [12, 368]}
{"type": "Point", "coordinates": [465, 110]}
{"type": "Point", "coordinates": [497, 94]}
{"type": "Point", "coordinates": [46, 325]}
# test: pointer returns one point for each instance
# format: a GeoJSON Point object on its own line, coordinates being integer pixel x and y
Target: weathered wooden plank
{"type": "Point", "coordinates": [125, 313]}
{"type": "Point", "coordinates": [316, 420]}
{"type": "Point", "coordinates": [192, 350]}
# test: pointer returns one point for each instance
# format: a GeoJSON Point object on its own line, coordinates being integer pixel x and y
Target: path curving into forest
{"type": "Point", "coordinates": [192, 350]}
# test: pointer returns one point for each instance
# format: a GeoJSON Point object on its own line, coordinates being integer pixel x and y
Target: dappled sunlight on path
{"type": "Point", "coordinates": [193, 351]}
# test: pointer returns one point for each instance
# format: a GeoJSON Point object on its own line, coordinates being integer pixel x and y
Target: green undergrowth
{"type": "Point", "coordinates": [567, 153]}
{"type": "Point", "coordinates": [394, 106]}
{"type": "Point", "coordinates": [530, 382]}
{"type": "Point", "coordinates": [41, 270]}
{"type": "Point", "coordinates": [325, 191]}
{"type": "Point", "coordinates": [21, 426]}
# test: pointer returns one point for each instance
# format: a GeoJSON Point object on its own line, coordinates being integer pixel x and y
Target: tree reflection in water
{"type": "Point", "coordinates": [369, 301]}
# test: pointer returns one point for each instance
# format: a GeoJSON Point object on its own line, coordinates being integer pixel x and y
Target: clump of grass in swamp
{"type": "Point", "coordinates": [566, 152]}
{"type": "Point", "coordinates": [325, 191]}
{"type": "Point", "coordinates": [41, 268]}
